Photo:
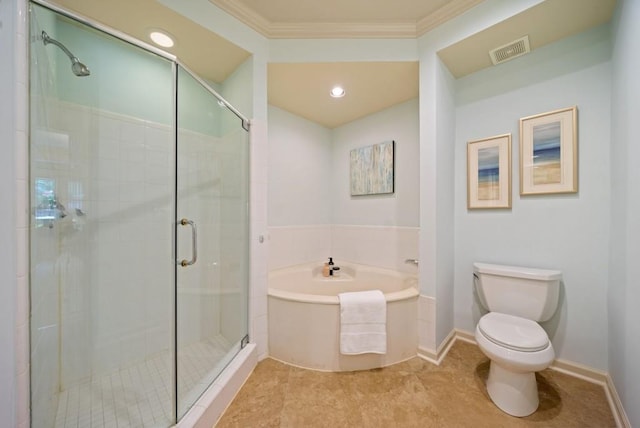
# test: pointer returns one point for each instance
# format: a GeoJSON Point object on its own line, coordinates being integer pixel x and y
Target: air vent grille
{"type": "Point", "coordinates": [510, 50]}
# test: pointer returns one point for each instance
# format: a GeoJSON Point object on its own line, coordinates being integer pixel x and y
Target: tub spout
{"type": "Point", "coordinates": [412, 261]}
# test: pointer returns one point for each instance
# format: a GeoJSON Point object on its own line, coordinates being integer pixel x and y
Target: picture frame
{"type": "Point", "coordinates": [549, 152]}
{"type": "Point", "coordinates": [489, 173]}
{"type": "Point", "coordinates": [372, 169]}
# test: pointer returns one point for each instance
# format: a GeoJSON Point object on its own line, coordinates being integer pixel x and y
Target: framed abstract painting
{"type": "Point", "coordinates": [372, 170]}
{"type": "Point", "coordinates": [489, 172]}
{"type": "Point", "coordinates": [549, 152]}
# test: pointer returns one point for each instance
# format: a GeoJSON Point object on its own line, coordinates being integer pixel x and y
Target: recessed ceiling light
{"type": "Point", "coordinates": [337, 92]}
{"type": "Point", "coordinates": [161, 39]}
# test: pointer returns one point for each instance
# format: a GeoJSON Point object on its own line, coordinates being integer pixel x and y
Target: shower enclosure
{"type": "Point", "coordinates": [139, 228]}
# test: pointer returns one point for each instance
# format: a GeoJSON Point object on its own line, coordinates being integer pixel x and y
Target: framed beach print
{"type": "Point", "coordinates": [371, 169]}
{"type": "Point", "coordinates": [549, 152]}
{"type": "Point", "coordinates": [489, 172]}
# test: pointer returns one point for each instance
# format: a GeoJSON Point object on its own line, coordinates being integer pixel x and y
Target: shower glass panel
{"type": "Point", "coordinates": [211, 236]}
{"type": "Point", "coordinates": [102, 198]}
{"type": "Point", "coordinates": [124, 144]}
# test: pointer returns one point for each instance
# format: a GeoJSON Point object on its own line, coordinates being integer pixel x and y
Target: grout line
{"type": "Point", "coordinates": [105, 400]}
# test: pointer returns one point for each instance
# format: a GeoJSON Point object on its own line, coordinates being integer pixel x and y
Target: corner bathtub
{"type": "Point", "coordinates": [304, 316]}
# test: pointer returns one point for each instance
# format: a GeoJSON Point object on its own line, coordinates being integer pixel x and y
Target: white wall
{"type": "Point", "coordinates": [624, 293]}
{"type": "Point", "coordinates": [300, 169]}
{"type": "Point", "coordinates": [295, 244]}
{"type": "Point", "coordinates": [445, 125]}
{"type": "Point", "coordinates": [311, 212]}
{"type": "Point", "coordinates": [400, 124]}
{"type": "Point", "coordinates": [8, 137]}
{"type": "Point", "coordinates": [14, 261]}
{"type": "Point", "coordinates": [436, 159]}
{"type": "Point", "coordinates": [115, 65]}
{"type": "Point", "coordinates": [566, 232]}
{"type": "Point", "coordinates": [238, 88]}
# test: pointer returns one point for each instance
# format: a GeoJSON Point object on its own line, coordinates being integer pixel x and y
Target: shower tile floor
{"type": "Point", "coordinates": [139, 395]}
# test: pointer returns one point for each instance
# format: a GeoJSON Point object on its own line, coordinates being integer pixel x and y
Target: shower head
{"type": "Point", "coordinates": [78, 68]}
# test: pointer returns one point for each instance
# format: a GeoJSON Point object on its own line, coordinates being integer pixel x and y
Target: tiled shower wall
{"type": "Point", "coordinates": [382, 246]}
{"type": "Point", "coordinates": [111, 256]}
{"type": "Point", "coordinates": [115, 298]}
{"type": "Point", "coordinates": [15, 392]}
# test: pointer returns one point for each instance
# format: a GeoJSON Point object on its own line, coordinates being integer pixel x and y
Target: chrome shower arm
{"type": "Point", "coordinates": [46, 39]}
{"type": "Point", "coordinates": [78, 68]}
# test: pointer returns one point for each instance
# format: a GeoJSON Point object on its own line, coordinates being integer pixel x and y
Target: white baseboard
{"type": "Point", "coordinates": [582, 372]}
{"type": "Point", "coordinates": [465, 336]}
{"type": "Point", "coordinates": [616, 404]}
{"type": "Point", "coordinates": [599, 378]}
{"type": "Point", "coordinates": [436, 357]}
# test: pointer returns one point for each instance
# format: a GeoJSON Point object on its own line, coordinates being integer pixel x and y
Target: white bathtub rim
{"type": "Point", "coordinates": [394, 296]}
{"type": "Point", "coordinates": [344, 264]}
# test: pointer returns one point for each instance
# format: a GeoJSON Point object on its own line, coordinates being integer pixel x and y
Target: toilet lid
{"type": "Point", "coordinates": [513, 332]}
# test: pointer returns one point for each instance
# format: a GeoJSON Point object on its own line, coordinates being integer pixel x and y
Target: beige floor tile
{"type": "Point", "coordinates": [414, 393]}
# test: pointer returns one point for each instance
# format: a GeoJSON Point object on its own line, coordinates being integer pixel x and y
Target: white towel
{"type": "Point", "coordinates": [363, 323]}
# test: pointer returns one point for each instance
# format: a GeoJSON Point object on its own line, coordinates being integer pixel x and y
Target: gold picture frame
{"type": "Point", "coordinates": [549, 152]}
{"type": "Point", "coordinates": [489, 172]}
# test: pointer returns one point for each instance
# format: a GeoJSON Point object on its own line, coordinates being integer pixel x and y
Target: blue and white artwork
{"type": "Point", "coordinates": [372, 169]}
{"type": "Point", "coordinates": [489, 174]}
{"type": "Point", "coordinates": [546, 153]}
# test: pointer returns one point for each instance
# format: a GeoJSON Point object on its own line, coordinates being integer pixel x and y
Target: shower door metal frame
{"type": "Point", "coordinates": [245, 123]}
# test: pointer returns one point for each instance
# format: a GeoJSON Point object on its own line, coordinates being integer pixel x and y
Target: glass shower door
{"type": "Point", "coordinates": [102, 195]}
{"type": "Point", "coordinates": [211, 238]}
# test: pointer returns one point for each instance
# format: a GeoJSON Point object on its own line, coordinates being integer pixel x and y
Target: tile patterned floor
{"type": "Point", "coordinates": [139, 395]}
{"type": "Point", "coordinates": [415, 393]}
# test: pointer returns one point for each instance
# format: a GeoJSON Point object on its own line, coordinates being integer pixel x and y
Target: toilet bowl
{"type": "Point", "coordinates": [517, 348]}
{"type": "Point", "coordinates": [510, 335]}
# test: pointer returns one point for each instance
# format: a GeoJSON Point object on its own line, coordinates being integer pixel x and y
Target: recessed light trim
{"type": "Point", "coordinates": [161, 38]}
{"type": "Point", "coordinates": [337, 92]}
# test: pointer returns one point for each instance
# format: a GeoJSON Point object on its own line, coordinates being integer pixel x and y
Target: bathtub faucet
{"type": "Point", "coordinates": [412, 261]}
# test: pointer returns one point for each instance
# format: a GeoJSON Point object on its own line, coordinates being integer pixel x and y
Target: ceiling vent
{"type": "Point", "coordinates": [510, 50]}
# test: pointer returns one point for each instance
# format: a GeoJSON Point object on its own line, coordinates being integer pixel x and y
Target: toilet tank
{"type": "Point", "coordinates": [521, 291]}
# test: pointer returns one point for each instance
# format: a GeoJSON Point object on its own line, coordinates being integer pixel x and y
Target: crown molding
{"type": "Point", "coordinates": [333, 30]}
{"type": "Point", "coordinates": [246, 15]}
{"type": "Point", "coordinates": [447, 12]}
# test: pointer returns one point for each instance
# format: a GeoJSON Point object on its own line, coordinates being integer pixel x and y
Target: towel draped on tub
{"type": "Point", "coordinates": [363, 322]}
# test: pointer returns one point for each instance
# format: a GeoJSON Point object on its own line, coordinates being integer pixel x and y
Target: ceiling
{"type": "Point", "coordinates": [302, 19]}
{"type": "Point", "coordinates": [303, 88]}
{"type": "Point", "coordinates": [545, 23]}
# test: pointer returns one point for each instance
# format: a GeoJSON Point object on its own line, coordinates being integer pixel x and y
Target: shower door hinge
{"type": "Point", "coordinates": [244, 342]}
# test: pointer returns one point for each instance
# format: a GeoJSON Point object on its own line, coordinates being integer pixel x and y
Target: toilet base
{"type": "Point", "coordinates": [514, 393]}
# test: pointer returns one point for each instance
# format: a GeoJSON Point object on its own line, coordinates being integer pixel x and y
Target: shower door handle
{"type": "Point", "coordinates": [194, 243]}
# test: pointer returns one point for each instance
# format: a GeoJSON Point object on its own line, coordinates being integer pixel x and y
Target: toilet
{"type": "Point", "coordinates": [517, 298]}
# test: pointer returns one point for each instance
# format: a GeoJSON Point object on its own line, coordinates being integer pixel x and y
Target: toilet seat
{"type": "Point", "coordinates": [515, 333]}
